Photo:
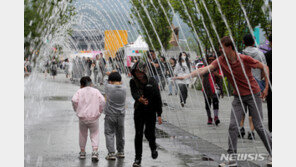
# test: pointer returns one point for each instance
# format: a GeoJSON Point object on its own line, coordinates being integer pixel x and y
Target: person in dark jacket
{"type": "Point", "coordinates": [148, 104]}
{"type": "Point", "coordinates": [268, 57]}
{"type": "Point", "coordinates": [88, 66]}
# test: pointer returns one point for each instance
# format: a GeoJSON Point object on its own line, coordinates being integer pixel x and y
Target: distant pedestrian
{"type": "Point", "coordinates": [66, 66]}
{"type": "Point", "coordinates": [95, 64]}
{"type": "Point", "coordinates": [182, 69]}
{"type": "Point", "coordinates": [27, 67]}
{"type": "Point", "coordinates": [88, 64]}
{"type": "Point", "coordinates": [165, 68]}
{"type": "Point", "coordinates": [115, 113]}
{"type": "Point", "coordinates": [156, 67]}
{"type": "Point", "coordinates": [170, 75]}
{"type": "Point", "coordinates": [117, 64]}
{"type": "Point", "coordinates": [88, 103]}
{"type": "Point", "coordinates": [102, 65]}
{"type": "Point", "coordinates": [112, 63]}
{"type": "Point", "coordinates": [46, 68]}
{"type": "Point", "coordinates": [76, 70]}
{"type": "Point", "coordinates": [53, 67]}
{"type": "Point", "coordinates": [148, 104]}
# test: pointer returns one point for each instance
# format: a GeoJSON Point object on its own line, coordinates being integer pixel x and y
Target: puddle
{"type": "Point", "coordinates": [48, 98]}
{"type": "Point", "coordinates": [206, 158]}
{"type": "Point", "coordinates": [58, 98]}
{"type": "Point", "coordinates": [161, 134]}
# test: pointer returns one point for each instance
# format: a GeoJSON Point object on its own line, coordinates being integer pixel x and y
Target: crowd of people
{"type": "Point", "coordinates": [249, 74]}
{"type": "Point", "coordinates": [96, 68]}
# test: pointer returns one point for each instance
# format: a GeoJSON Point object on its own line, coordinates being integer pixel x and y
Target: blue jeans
{"type": "Point", "coordinates": [261, 84]}
{"type": "Point", "coordinates": [171, 83]}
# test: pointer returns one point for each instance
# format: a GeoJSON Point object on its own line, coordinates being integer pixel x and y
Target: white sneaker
{"type": "Point", "coordinates": [228, 164]}
{"type": "Point", "coordinates": [82, 155]}
{"type": "Point", "coordinates": [182, 104]}
{"type": "Point", "coordinates": [110, 156]}
{"type": "Point", "coordinates": [95, 156]}
{"type": "Point", "coordinates": [120, 155]}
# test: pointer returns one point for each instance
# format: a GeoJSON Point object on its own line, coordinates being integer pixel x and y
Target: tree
{"type": "Point", "coordinates": [151, 17]}
{"type": "Point", "coordinates": [43, 18]}
{"type": "Point", "coordinates": [197, 18]}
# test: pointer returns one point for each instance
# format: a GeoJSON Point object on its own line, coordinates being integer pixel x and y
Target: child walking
{"type": "Point", "coordinates": [88, 103]}
{"type": "Point", "coordinates": [115, 113]}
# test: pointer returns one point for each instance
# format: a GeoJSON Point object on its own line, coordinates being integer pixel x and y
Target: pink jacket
{"type": "Point", "coordinates": [88, 103]}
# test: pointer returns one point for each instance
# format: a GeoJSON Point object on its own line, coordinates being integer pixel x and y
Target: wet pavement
{"type": "Point", "coordinates": [209, 139]}
{"type": "Point", "coordinates": [51, 130]}
{"type": "Point", "coordinates": [184, 139]}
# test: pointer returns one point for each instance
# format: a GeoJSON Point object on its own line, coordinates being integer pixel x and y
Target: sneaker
{"type": "Point", "coordinates": [120, 155]}
{"type": "Point", "coordinates": [154, 154]}
{"type": "Point", "coordinates": [228, 164]}
{"type": "Point", "coordinates": [82, 155]}
{"type": "Point", "coordinates": [170, 94]}
{"type": "Point", "coordinates": [217, 121]}
{"type": "Point", "coordinates": [210, 120]}
{"type": "Point", "coordinates": [137, 163]}
{"type": "Point", "coordinates": [251, 135]}
{"type": "Point", "coordinates": [241, 133]}
{"type": "Point", "coordinates": [110, 156]}
{"type": "Point", "coordinates": [95, 156]}
{"type": "Point", "coordinates": [182, 104]}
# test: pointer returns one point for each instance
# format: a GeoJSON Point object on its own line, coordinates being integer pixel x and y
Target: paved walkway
{"type": "Point", "coordinates": [193, 119]}
{"type": "Point", "coordinates": [51, 129]}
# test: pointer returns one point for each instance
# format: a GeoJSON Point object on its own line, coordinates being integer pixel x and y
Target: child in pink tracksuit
{"type": "Point", "coordinates": [88, 103]}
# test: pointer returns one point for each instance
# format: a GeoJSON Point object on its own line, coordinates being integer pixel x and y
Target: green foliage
{"type": "Point", "coordinates": [158, 19]}
{"type": "Point", "coordinates": [227, 85]}
{"type": "Point", "coordinates": [198, 86]}
{"type": "Point", "coordinates": [233, 14]}
{"type": "Point", "coordinates": [43, 17]}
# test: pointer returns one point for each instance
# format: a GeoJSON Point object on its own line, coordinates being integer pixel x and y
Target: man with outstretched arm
{"type": "Point", "coordinates": [246, 93]}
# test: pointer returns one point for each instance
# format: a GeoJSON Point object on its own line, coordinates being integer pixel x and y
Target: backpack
{"type": "Point", "coordinates": [54, 66]}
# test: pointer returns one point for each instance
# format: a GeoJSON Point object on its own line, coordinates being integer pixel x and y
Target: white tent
{"type": "Point", "coordinates": [137, 48]}
{"type": "Point", "coordinates": [140, 42]}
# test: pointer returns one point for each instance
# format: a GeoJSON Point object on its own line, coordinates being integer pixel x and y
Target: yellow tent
{"type": "Point", "coordinates": [114, 39]}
